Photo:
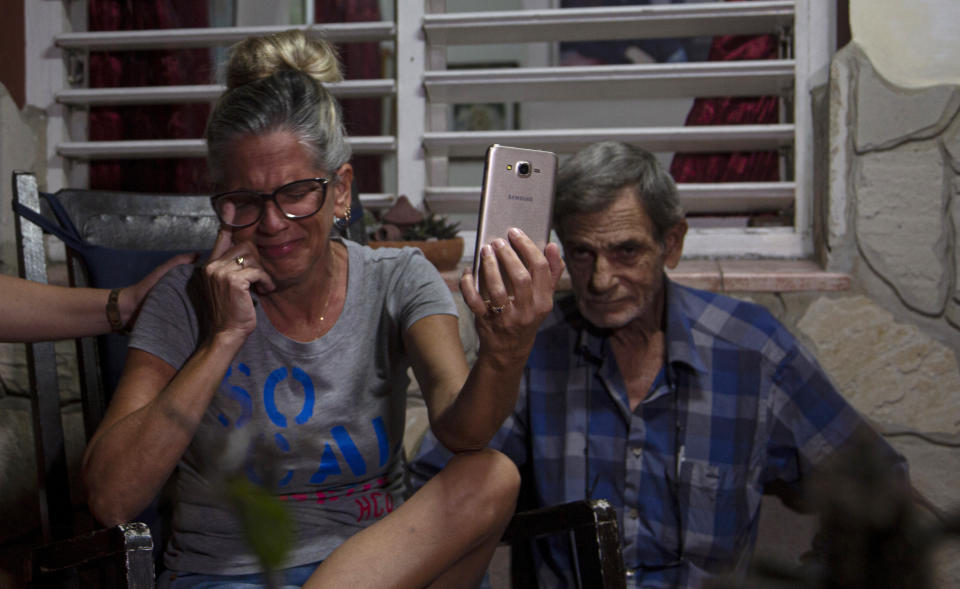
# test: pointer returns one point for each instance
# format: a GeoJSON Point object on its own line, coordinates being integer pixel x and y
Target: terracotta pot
{"type": "Point", "coordinates": [444, 253]}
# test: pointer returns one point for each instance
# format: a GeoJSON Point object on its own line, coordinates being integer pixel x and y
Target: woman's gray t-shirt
{"type": "Point", "coordinates": [320, 423]}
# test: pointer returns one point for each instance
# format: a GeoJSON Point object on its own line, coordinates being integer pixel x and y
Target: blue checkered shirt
{"type": "Point", "coordinates": [738, 405]}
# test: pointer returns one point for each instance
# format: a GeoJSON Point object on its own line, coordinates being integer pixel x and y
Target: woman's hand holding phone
{"type": "Point", "coordinates": [520, 280]}
{"type": "Point", "coordinates": [515, 269]}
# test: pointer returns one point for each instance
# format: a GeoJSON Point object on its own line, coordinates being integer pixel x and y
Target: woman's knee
{"type": "Point", "coordinates": [488, 482]}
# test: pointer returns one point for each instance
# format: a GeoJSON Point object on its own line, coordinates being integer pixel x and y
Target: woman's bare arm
{"type": "Point", "coordinates": [31, 311]}
{"type": "Point", "coordinates": [467, 405]}
{"type": "Point", "coordinates": [156, 409]}
{"type": "Point", "coordinates": [150, 422]}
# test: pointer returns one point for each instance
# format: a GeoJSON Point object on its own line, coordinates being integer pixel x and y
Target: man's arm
{"type": "Point", "coordinates": [812, 427]}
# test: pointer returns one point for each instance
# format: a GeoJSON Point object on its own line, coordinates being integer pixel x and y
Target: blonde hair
{"type": "Point", "coordinates": [255, 58]}
{"type": "Point", "coordinates": [276, 83]}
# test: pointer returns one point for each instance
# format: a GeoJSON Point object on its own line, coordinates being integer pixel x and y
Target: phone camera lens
{"type": "Point", "coordinates": [523, 169]}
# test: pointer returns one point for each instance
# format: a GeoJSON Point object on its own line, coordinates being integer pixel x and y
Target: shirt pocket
{"type": "Point", "coordinates": [715, 508]}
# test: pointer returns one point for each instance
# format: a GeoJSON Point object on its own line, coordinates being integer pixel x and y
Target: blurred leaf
{"type": "Point", "coordinates": [267, 524]}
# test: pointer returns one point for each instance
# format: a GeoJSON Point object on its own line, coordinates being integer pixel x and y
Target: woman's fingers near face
{"type": "Point", "coordinates": [262, 282]}
{"type": "Point", "coordinates": [224, 240]}
{"type": "Point", "coordinates": [245, 262]}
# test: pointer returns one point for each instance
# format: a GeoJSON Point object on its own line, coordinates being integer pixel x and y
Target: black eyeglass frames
{"type": "Point", "coordinates": [296, 200]}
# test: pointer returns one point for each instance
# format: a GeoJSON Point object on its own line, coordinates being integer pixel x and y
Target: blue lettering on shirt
{"type": "Point", "coordinates": [349, 450]}
{"type": "Point", "coordinates": [382, 439]}
{"type": "Point", "coordinates": [329, 464]}
{"type": "Point", "coordinates": [240, 395]}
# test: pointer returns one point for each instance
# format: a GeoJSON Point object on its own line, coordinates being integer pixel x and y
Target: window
{"type": "Point", "coordinates": [512, 75]}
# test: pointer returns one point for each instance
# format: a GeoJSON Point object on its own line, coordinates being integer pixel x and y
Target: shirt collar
{"type": "Point", "coordinates": [592, 341]}
{"type": "Point", "coordinates": [681, 349]}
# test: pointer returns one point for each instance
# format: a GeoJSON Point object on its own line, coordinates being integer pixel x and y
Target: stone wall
{"type": "Point", "coordinates": [889, 219]}
{"type": "Point", "coordinates": [894, 176]}
{"type": "Point", "coordinates": [889, 214]}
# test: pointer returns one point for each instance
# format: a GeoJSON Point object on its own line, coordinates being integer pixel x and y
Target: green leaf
{"type": "Point", "coordinates": [267, 525]}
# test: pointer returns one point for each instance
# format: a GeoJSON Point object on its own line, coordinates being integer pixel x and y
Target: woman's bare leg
{"type": "Point", "coordinates": [443, 536]}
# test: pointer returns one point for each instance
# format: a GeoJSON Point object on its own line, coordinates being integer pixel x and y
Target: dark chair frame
{"type": "Point", "coordinates": [121, 556]}
{"type": "Point", "coordinates": [595, 537]}
{"type": "Point", "coordinates": [126, 550]}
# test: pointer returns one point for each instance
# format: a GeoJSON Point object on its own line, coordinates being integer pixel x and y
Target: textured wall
{"type": "Point", "coordinates": [913, 42]}
{"type": "Point", "coordinates": [894, 181]}
{"type": "Point", "coordinates": [890, 219]}
{"type": "Point", "coordinates": [894, 177]}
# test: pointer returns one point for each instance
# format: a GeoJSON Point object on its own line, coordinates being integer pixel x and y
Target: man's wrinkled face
{"type": "Point", "coordinates": [616, 263]}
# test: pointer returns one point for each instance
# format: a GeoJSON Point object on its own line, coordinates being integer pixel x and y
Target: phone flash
{"type": "Point", "coordinates": [509, 166]}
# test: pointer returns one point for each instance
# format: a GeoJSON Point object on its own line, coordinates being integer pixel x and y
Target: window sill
{"type": "Point", "coordinates": [758, 276]}
{"type": "Point", "coordinates": [735, 276]}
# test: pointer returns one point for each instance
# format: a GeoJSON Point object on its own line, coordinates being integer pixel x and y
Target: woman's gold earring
{"type": "Point", "coordinates": [343, 222]}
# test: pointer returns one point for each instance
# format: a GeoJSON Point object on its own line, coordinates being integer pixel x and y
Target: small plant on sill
{"type": "Point", "coordinates": [404, 222]}
{"type": "Point", "coordinates": [404, 225]}
{"type": "Point", "coordinates": [432, 227]}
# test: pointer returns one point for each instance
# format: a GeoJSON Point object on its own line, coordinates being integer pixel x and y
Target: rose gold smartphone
{"type": "Point", "coordinates": [517, 192]}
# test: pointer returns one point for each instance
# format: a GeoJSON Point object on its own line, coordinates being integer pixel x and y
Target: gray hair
{"type": "Point", "coordinates": [590, 179]}
{"type": "Point", "coordinates": [276, 84]}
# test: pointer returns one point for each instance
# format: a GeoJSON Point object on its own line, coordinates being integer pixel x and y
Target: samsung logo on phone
{"type": "Point", "coordinates": [519, 197]}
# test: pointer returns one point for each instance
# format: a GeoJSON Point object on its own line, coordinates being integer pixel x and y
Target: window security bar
{"type": "Point", "coordinates": [731, 78]}
{"type": "Point", "coordinates": [707, 138]}
{"type": "Point", "coordinates": [171, 148]}
{"type": "Point", "coordinates": [657, 139]}
{"type": "Point", "coordinates": [204, 93]}
{"type": "Point", "coordinates": [622, 22]}
{"type": "Point", "coordinates": [727, 198]}
{"type": "Point", "coordinates": [215, 36]}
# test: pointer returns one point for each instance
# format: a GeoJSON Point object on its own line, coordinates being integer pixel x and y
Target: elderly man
{"type": "Point", "coordinates": [678, 405]}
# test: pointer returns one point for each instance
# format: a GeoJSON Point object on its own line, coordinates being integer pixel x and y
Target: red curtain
{"type": "Point", "coordinates": [732, 110]}
{"type": "Point", "coordinates": [148, 68]}
{"type": "Point", "coordinates": [361, 61]}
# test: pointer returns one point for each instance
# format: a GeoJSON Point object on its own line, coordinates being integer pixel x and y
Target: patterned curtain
{"type": "Point", "coordinates": [361, 61]}
{"type": "Point", "coordinates": [757, 166]}
{"type": "Point", "coordinates": [148, 68]}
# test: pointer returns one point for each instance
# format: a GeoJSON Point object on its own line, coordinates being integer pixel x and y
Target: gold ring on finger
{"type": "Point", "coordinates": [239, 261]}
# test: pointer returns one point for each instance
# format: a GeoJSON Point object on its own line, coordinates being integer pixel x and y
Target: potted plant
{"type": "Point", "coordinates": [404, 225]}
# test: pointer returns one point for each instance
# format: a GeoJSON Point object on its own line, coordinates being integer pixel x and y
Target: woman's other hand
{"type": "Point", "coordinates": [508, 319]}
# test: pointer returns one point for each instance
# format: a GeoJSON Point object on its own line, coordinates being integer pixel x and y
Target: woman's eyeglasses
{"type": "Point", "coordinates": [296, 200]}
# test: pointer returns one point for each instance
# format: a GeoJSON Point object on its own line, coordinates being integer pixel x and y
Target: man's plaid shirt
{"type": "Point", "coordinates": [746, 402]}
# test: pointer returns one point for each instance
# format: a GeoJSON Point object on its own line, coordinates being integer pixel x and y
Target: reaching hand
{"type": "Point", "coordinates": [508, 319]}
{"type": "Point", "coordinates": [131, 297]}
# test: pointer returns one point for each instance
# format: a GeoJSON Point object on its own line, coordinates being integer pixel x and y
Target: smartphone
{"type": "Point", "coordinates": [517, 192]}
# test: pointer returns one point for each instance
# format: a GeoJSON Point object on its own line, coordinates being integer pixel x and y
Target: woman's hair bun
{"type": "Point", "coordinates": [255, 58]}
